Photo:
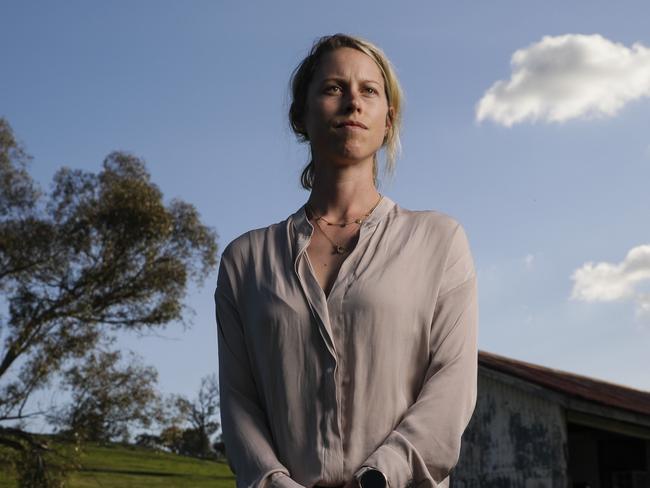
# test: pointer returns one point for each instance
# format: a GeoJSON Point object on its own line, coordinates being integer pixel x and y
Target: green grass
{"type": "Point", "coordinates": [135, 467]}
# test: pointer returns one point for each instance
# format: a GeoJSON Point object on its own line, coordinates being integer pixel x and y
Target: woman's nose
{"type": "Point", "coordinates": [354, 101]}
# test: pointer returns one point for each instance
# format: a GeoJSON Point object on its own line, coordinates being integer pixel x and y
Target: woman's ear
{"type": "Point", "coordinates": [303, 131]}
{"type": "Point", "coordinates": [389, 120]}
{"type": "Point", "coordinates": [300, 123]}
{"type": "Point", "coordinates": [299, 126]}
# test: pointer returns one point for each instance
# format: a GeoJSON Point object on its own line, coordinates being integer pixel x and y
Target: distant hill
{"type": "Point", "coordinates": [119, 466]}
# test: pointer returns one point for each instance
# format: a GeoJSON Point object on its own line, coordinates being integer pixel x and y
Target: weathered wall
{"type": "Point", "coordinates": [517, 439]}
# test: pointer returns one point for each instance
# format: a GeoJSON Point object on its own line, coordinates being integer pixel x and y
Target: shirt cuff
{"type": "Point", "coordinates": [281, 480]}
{"type": "Point", "coordinates": [391, 464]}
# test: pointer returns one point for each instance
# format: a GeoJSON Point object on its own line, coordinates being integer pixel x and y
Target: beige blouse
{"type": "Point", "coordinates": [381, 373]}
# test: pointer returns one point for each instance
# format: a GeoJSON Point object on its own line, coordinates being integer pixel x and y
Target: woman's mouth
{"type": "Point", "coordinates": [351, 124]}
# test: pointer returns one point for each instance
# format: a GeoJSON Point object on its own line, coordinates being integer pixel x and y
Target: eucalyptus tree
{"type": "Point", "coordinates": [96, 254]}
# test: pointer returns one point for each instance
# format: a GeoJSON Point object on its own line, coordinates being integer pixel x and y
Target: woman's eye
{"type": "Point", "coordinates": [371, 90]}
{"type": "Point", "coordinates": [333, 89]}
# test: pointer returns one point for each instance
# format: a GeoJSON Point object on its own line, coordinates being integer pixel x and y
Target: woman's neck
{"type": "Point", "coordinates": [344, 194]}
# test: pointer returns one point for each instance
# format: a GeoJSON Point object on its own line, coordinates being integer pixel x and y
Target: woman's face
{"type": "Point", "coordinates": [346, 116]}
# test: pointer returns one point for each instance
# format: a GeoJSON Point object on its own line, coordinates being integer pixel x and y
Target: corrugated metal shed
{"type": "Point", "coordinates": [538, 427]}
{"type": "Point", "coordinates": [591, 389]}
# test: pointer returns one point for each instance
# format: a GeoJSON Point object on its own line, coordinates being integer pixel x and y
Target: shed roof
{"type": "Point", "coordinates": [576, 385]}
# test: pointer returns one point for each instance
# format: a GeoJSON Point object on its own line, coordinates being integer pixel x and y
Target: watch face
{"type": "Point", "coordinates": [373, 478]}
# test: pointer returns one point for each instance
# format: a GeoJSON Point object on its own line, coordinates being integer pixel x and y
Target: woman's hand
{"type": "Point", "coordinates": [353, 483]}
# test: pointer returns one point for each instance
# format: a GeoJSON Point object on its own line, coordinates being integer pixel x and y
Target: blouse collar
{"type": "Point", "coordinates": [303, 229]}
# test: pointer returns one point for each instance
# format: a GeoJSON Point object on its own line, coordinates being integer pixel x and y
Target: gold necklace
{"type": "Point", "coordinates": [338, 249]}
{"type": "Point", "coordinates": [358, 221]}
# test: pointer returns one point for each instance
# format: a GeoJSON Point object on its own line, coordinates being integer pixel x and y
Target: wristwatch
{"type": "Point", "coordinates": [372, 478]}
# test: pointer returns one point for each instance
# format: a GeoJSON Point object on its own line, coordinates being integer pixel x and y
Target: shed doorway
{"type": "Point", "coordinates": [600, 458]}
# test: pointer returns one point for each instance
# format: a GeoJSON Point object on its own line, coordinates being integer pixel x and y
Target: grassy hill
{"type": "Point", "coordinates": [135, 467]}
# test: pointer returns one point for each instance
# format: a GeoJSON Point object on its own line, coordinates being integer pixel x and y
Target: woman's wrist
{"type": "Point", "coordinates": [282, 480]}
{"type": "Point", "coordinates": [372, 478]}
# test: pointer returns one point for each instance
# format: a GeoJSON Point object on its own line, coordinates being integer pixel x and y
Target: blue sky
{"type": "Point", "coordinates": [554, 177]}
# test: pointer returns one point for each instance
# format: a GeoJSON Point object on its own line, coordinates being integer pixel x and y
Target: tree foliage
{"type": "Point", "coordinates": [34, 461]}
{"type": "Point", "coordinates": [98, 253]}
{"type": "Point", "coordinates": [192, 423]}
{"type": "Point", "coordinates": [108, 397]}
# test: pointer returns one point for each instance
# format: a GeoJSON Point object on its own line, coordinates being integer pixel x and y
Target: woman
{"type": "Point", "coordinates": [348, 332]}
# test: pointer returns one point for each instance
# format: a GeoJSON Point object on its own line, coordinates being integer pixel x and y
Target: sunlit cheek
{"type": "Point", "coordinates": [378, 135]}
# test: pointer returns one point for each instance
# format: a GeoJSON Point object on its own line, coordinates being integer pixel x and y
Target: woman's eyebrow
{"type": "Point", "coordinates": [370, 80]}
{"type": "Point", "coordinates": [341, 79]}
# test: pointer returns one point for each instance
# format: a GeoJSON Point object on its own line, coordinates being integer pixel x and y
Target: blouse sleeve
{"type": "Point", "coordinates": [425, 445]}
{"type": "Point", "coordinates": [249, 447]}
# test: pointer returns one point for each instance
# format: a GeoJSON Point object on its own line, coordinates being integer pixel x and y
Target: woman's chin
{"type": "Point", "coordinates": [351, 155]}
{"type": "Point", "coordinates": [350, 160]}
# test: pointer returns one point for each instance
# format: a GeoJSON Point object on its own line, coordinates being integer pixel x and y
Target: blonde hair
{"type": "Point", "coordinates": [303, 75]}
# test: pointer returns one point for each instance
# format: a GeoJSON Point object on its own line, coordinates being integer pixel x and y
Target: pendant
{"type": "Point", "coordinates": [339, 249]}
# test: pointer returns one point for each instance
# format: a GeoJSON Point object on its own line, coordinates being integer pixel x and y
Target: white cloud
{"type": "Point", "coordinates": [568, 76]}
{"type": "Point", "coordinates": [643, 306]}
{"type": "Point", "coordinates": [605, 282]}
{"type": "Point", "coordinates": [529, 260]}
